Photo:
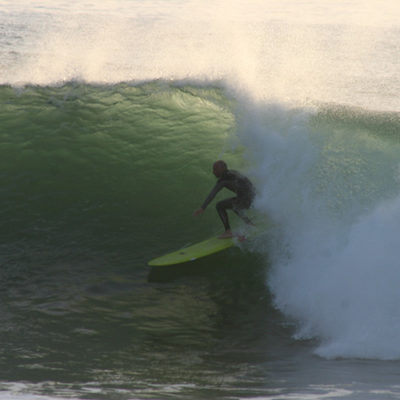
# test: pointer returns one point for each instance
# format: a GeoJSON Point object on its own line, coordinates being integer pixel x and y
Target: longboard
{"type": "Point", "coordinates": [193, 252]}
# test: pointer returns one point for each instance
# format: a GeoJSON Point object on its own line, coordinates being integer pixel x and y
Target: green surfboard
{"type": "Point", "coordinates": [193, 252]}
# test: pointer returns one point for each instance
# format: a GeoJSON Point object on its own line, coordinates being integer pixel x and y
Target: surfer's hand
{"type": "Point", "coordinates": [199, 211]}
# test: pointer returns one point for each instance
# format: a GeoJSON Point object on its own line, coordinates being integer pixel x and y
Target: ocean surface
{"type": "Point", "coordinates": [111, 115]}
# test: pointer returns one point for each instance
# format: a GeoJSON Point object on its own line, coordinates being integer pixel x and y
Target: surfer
{"type": "Point", "coordinates": [238, 184]}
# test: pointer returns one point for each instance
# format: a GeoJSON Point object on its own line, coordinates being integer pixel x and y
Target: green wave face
{"type": "Point", "coordinates": [111, 163]}
{"type": "Point", "coordinates": [124, 166]}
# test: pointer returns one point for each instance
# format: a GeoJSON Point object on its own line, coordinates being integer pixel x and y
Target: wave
{"type": "Point", "coordinates": [122, 167]}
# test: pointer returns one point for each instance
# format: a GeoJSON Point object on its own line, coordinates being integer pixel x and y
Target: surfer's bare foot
{"type": "Point", "coordinates": [226, 235]}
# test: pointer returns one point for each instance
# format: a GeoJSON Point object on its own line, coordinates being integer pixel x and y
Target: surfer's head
{"type": "Point", "coordinates": [219, 167]}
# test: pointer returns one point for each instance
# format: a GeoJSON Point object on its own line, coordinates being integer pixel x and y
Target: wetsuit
{"type": "Point", "coordinates": [238, 184]}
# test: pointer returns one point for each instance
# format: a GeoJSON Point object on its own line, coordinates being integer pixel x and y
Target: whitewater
{"type": "Point", "coordinates": [111, 116]}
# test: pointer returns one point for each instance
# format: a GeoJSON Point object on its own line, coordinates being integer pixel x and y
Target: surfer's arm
{"type": "Point", "coordinates": [212, 194]}
{"type": "Point", "coordinates": [198, 212]}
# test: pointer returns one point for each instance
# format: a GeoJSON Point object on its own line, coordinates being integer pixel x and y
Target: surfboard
{"type": "Point", "coordinates": [193, 252]}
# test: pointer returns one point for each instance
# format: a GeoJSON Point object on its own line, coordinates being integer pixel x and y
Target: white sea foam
{"type": "Point", "coordinates": [336, 200]}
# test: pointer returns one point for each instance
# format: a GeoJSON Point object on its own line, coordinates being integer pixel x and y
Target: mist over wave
{"type": "Point", "coordinates": [253, 48]}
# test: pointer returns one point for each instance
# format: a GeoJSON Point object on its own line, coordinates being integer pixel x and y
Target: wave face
{"type": "Point", "coordinates": [81, 161]}
{"type": "Point", "coordinates": [114, 168]}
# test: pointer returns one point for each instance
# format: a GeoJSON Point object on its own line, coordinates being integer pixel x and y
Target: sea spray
{"type": "Point", "coordinates": [332, 189]}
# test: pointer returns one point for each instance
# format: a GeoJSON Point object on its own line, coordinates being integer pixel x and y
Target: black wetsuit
{"type": "Point", "coordinates": [238, 184]}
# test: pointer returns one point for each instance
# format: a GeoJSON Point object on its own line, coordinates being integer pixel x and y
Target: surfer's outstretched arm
{"type": "Point", "coordinates": [199, 211]}
{"type": "Point", "coordinates": [209, 198]}
{"type": "Point", "coordinates": [212, 194]}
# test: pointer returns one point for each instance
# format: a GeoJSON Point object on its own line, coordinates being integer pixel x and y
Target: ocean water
{"type": "Point", "coordinates": [111, 115]}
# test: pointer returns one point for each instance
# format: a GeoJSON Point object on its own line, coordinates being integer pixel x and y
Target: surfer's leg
{"type": "Point", "coordinates": [222, 206]}
{"type": "Point", "coordinates": [244, 217]}
{"type": "Point", "coordinates": [240, 213]}
{"type": "Point", "coordinates": [239, 207]}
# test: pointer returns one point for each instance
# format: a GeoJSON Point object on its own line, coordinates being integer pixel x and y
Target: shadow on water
{"type": "Point", "coordinates": [236, 284]}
